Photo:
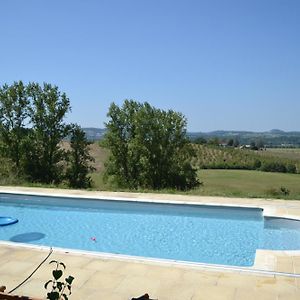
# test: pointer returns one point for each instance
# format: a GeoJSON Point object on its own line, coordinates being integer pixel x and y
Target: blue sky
{"type": "Point", "coordinates": [232, 65]}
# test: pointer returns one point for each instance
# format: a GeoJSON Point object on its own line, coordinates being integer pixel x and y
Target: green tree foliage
{"type": "Point", "coordinates": [230, 142]}
{"type": "Point", "coordinates": [236, 142]}
{"type": "Point", "coordinates": [149, 147]}
{"type": "Point", "coordinates": [32, 129]}
{"type": "Point", "coordinates": [253, 146]}
{"type": "Point", "coordinates": [78, 160]}
{"type": "Point", "coordinates": [214, 141]}
{"type": "Point", "coordinates": [14, 115]}
{"type": "Point", "coordinates": [200, 141]}
{"type": "Point", "coordinates": [47, 112]}
{"type": "Point", "coordinates": [260, 144]}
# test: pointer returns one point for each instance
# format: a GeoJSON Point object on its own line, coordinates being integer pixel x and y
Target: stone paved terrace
{"type": "Point", "coordinates": [109, 278]}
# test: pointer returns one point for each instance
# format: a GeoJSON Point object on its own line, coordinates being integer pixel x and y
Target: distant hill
{"type": "Point", "coordinates": [94, 134]}
{"type": "Point", "coordinates": [272, 138]}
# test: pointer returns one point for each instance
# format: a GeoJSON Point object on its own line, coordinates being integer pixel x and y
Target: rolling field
{"type": "Point", "coordinates": [215, 182]}
{"type": "Point", "coordinates": [228, 183]}
{"type": "Point", "coordinates": [245, 183]}
{"type": "Point", "coordinates": [212, 157]}
{"type": "Point", "coordinates": [288, 153]}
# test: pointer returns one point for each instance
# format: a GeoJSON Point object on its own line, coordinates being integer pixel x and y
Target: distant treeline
{"type": "Point", "coordinates": [271, 139]}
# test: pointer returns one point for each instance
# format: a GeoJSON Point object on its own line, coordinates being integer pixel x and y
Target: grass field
{"type": "Point", "coordinates": [244, 183]}
{"type": "Point", "coordinates": [229, 183]}
{"type": "Point", "coordinates": [288, 153]}
{"type": "Point", "coordinates": [233, 183]}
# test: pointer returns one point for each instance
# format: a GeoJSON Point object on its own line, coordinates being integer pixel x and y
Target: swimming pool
{"type": "Point", "coordinates": [206, 234]}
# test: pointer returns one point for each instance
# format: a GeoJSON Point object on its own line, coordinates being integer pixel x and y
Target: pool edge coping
{"type": "Point", "coordinates": [152, 261]}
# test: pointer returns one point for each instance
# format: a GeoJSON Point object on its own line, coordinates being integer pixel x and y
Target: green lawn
{"type": "Point", "coordinates": [234, 183]}
{"type": "Point", "coordinates": [243, 183]}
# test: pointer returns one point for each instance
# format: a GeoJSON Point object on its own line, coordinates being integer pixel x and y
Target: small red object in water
{"type": "Point", "coordinates": [93, 239]}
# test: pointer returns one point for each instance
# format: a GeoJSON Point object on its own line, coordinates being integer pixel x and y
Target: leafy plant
{"type": "Point", "coordinates": [58, 291]}
{"type": "Point", "coordinates": [284, 191]}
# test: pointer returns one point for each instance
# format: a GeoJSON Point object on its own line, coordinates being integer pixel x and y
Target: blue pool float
{"type": "Point", "coordinates": [7, 221]}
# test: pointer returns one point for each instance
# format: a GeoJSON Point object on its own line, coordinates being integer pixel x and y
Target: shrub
{"type": "Point", "coordinates": [291, 168]}
{"type": "Point", "coordinates": [282, 191]}
{"type": "Point", "coordinates": [273, 166]}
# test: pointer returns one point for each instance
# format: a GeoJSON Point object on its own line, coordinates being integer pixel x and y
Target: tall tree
{"type": "Point", "coordinates": [14, 116]}
{"type": "Point", "coordinates": [149, 147]}
{"type": "Point", "coordinates": [123, 162]}
{"type": "Point", "coordinates": [44, 154]}
{"type": "Point", "coordinates": [79, 160]}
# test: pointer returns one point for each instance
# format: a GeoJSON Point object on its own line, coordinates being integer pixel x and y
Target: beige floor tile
{"type": "Point", "coordinates": [293, 295]}
{"type": "Point", "coordinates": [281, 285]}
{"type": "Point", "coordinates": [3, 259]}
{"type": "Point", "coordinates": [27, 254]}
{"type": "Point", "coordinates": [251, 294]}
{"type": "Point", "coordinates": [201, 278]}
{"type": "Point", "coordinates": [132, 285]}
{"type": "Point", "coordinates": [4, 251]}
{"type": "Point", "coordinates": [10, 281]}
{"type": "Point", "coordinates": [297, 281]}
{"type": "Point", "coordinates": [15, 268]}
{"type": "Point", "coordinates": [285, 264]}
{"type": "Point", "coordinates": [165, 274]}
{"type": "Point", "coordinates": [71, 260]}
{"type": "Point", "coordinates": [137, 269]}
{"type": "Point", "coordinates": [80, 275]}
{"type": "Point", "coordinates": [296, 264]}
{"type": "Point", "coordinates": [91, 294]}
{"type": "Point", "coordinates": [104, 265]}
{"type": "Point", "coordinates": [236, 280]}
{"type": "Point", "coordinates": [215, 293]}
{"type": "Point", "coordinates": [33, 288]}
{"type": "Point", "coordinates": [294, 211]}
{"type": "Point", "coordinates": [176, 291]}
{"type": "Point", "coordinates": [104, 282]}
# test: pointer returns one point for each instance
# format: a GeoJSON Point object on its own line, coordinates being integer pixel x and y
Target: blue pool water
{"type": "Point", "coordinates": [205, 234]}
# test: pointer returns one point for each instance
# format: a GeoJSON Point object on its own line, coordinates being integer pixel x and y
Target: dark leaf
{"type": "Point", "coordinates": [57, 274]}
{"type": "Point", "coordinates": [65, 296]}
{"type": "Point", "coordinates": [70, 279]}
{"type": "Point", "coordinates": [46, 284]}
{"type": "Point", "coordinates": [60, 285]}
{"type": "Point", "coordinates": [53, 296]}
{"type": "Point", "coordinates": [62, 264]}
